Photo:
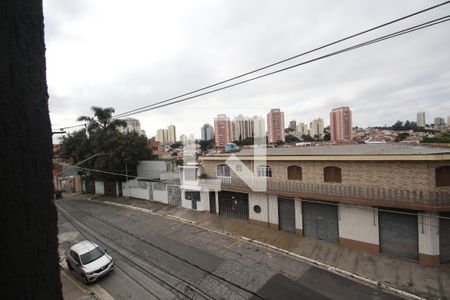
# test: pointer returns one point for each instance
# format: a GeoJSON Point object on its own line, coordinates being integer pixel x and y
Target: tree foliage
{"type": "Point", "coordinates": [291, 139]}
{"type": "Point", "coordinates": [117, 150]}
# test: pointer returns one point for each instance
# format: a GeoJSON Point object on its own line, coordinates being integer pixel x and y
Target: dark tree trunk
{"type": "Point", "coordinates": [28, 246]}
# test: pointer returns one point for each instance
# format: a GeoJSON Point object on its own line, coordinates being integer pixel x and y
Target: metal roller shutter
{"type": "Point", "coordinates": [444, 238]}
{"type": "Point", "coordinates": [320, 221]}
{"type": "Point", "coordinates": [399, 234]}
{"type": "Point", "coordinates": [212, 202]}
{"type": "Point", "coordinates": [286, 214]}
{"type": "Point", "coordinates": [234, 205]}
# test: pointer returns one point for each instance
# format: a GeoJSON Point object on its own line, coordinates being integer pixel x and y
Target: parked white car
{"type": "Point", "coordinates": [89, 261]}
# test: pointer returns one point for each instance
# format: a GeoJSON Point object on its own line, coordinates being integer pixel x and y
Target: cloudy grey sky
{"type": "Point", "coordinates": [128, 54]}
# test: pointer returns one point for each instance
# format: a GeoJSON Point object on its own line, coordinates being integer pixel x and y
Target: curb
{"type": "Point", "coordinates": [280, 250]}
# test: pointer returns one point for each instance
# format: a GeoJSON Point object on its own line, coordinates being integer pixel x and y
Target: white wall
{"type": "Point", "coordinates": [160, 196]}
{"type": "Point", "coordinates": [100, 187]}
{"type": "Point", "coordinates": [204, 201]}
{"type": "Point", "coordinates": [273, 209]}
{"type": "Point", "coordinates": [135, 191]}
{"type": "Point", "coordinates": [261, 200]}
{"type": "Point", "coordinates": [428, 233]}
{"type": "Point", "coordinates": [151, 169]}
{"type": "Point", "coordinates": [359, 224]}
{"type": "Point", "coordinates": [185, 203]}
{"type": "Point", "coordinates": [298, 214]}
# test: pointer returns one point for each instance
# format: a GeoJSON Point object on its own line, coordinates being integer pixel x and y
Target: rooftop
{"type": "Point", "coordinates": [392, 151]}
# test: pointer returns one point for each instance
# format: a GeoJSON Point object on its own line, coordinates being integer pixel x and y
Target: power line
{"type": "Point", "coordinates": [287, 59]}
{"type": "Point", "coordinates": [356, 46]}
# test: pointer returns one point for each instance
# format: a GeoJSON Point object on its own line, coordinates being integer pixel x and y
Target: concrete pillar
{"type": "Point", "coordinates": [428, 223]}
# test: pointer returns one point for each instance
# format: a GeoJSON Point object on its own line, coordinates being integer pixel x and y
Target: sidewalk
{"type": "Point", "coordinates": [73, 290]}
{"type": "Point", "coordinates": [408, 276]}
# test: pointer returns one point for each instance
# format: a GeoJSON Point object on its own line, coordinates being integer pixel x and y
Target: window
{"type": "Point", "coordinates": [294, 173]}
{"type": "Point", "coordinates": [443, 176]}
{"type": "Point", "coordinates": [332, 174]}
{"type": "Point", "coordinates": [92, 255]}
{"type": "Point", "coordinates": [264, 171]}
{"type": "Point", "coordinates": [239, 168]}
{"type": "Point", "coordinates": [223, 171]}
{"type": "Point", "coordinates": [190, 173]}
{"type": "Point", "coordinates": [257, 209]}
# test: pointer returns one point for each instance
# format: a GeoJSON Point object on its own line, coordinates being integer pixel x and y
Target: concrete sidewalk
{"type": "Point", "coordinates": [73, 290]}
{"type": "Point", "coordinates": [408, 276]}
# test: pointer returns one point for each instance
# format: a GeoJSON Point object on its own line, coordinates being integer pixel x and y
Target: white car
{"type": "Point", "coordinates": [89, 260]}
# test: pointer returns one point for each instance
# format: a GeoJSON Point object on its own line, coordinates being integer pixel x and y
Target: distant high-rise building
{"type": "Point", "coordinates": [302, 129]}
{"type": "Point", "coordinates": [316, 128]}
{"type": "Point", "coordinates": [171, 134]}
{"type": "Point", "coordinates": [275, 125]}
{"type": "Point", "coordinates": [439, 123]}
{"type": "Point", "coordinates": [293, 125]}
{"type": "Point", "coordinates": [132, 125]}
{"type": "Point", "coordinates": [183, 139]}
{"type": "Point", "coordinates": [162, 136]}
{"type": "Point", "coordinates": [421, 119]}
{"type": "Point", "coordinates": [259, 127]}
{"type": "Point", "coordinates": [207, 132]}
{"type": "Point", "coordinates": [222, 128]}
{"type": "Point", "coordinates": [242, 128]}
{"type": "Point", "coordinates": [341, 125]}
{"type": "Point", "coordinates": [448, 121]}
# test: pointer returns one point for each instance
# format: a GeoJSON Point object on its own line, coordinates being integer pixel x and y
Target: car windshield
{"type": "Point", "coordinates": [91, 255]}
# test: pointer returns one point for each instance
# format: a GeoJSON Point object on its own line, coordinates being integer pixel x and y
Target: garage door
{"type": "Point", "coordinates": [444, 237]}
{"type": "Point", "coordinates": [399, 233]}
{"type": "Point", "coordinates": [286, 214]}
{"type": "Point", "coordinates": [234, 205]}
{"type": "Point", "coordinates": [320, 221]}
{"type": "Point", "coordinates": [212, 202]}
{"type": "Point", "coordinates": [90, 186]}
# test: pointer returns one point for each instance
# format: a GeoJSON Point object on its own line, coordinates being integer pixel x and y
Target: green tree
{"type": "Point", "coordinates": [401, 136]}
{"type": "Point", "coordinates": [102, 120]}
{"type": "Point", "coordinates": [120, 151]}
{"type": "Point", "coordinates": [291, 139]}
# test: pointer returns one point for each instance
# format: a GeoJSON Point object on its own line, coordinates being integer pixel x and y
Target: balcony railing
{"type": "Point", "coordinates": [407, 196]}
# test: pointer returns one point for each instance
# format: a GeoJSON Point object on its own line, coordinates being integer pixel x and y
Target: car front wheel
{"type": "Point", "coordinates": [69, 265]}
{"type": "Point", "coordinates": [84, 280]}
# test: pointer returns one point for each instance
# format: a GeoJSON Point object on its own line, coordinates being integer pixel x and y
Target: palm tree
{"type": "Point", "coordinates": [102, 120]}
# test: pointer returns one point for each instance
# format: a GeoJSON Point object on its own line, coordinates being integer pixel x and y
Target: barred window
{"type": "Point", "coordinates": [443, 176]}
{"type": "Point", "coordinates": [264, 171]}
{"type": "Point", "coordinates": [223, 170]}
{"type": "Point", "coordinates": [294, 173]}
{"type": "Point", "coordinates": [332, 174]}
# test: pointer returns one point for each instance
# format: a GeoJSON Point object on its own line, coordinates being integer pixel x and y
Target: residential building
{"type": "Point", "coordinates": [242, 128]}
{"type": "Point", "coordinates": [439, 123]}
{"type": "Point", "coordinates": [171, 134]}
{"type": "Point", "coordinates": [293, 125]}
{"type": "Point", "coordinates": [341, 125]}
{"type": "Point", "coordinates": [448, 121]}
{"type": "Point", "coordinates": [302, 128]}
{"type": "Point", "coordinates": [183, 139]}
{"type": "Point", "coordinates": [132, 125]}
{"type": "Point", "coordinates": [387, 198]}
{"type": "Point", "coordinates": [316, 129]}
{"type": "Point", "coordinates": [222, 128]}
{"type": "Point", "coordinates": [207, 132]}
{"type": "Point", "coordinates": [162, 136]}
{"type": "Point", "coordinates": [259, 127]}
{"type": "Point", "coordinates": [275, 125]}
{"type": "Point", "coordinates": [421, 122]}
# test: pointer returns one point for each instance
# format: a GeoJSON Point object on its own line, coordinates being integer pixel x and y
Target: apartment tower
{"type": "Point", "coordinates": [222, 127]}
{"type": "Point", "coordinates": [275, 125]}
{"type": "Point", "coordinates": [341, 125]}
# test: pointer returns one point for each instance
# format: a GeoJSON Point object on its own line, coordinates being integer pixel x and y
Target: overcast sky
{"type": "Point", "coordinates": [127, 54]}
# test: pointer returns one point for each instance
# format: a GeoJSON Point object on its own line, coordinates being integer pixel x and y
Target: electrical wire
{"type": "Point", "coordinates": [356, 46]}
{"type": "Point", "coordinates": [289, 58]}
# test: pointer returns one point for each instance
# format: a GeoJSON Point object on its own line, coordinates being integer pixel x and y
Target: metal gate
{"type": "Point", "coordinates": [399, 233]}
{"type": "Point", "coordinates": [110, 188]}
{"type": "Point", "coordinates": [212, 202]}
{"type": "Point", "coordinates": [320, 221]}
{"type": "Point", "coordinates": [174, 194]}
{"type": "Point", "coordinates": [444, 237]}
{"type": "Point", "coordinates": [234, 205]}
{"type": "Point", "coordinates": [194, 197]}
{"type": "Point", "coordinates": [90, 186]}
{"type": "Point", "coordinates": [286, 214]}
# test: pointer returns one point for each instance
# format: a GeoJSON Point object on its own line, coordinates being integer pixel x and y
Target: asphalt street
{"type": "Point", "coordinates": [161, 258]}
